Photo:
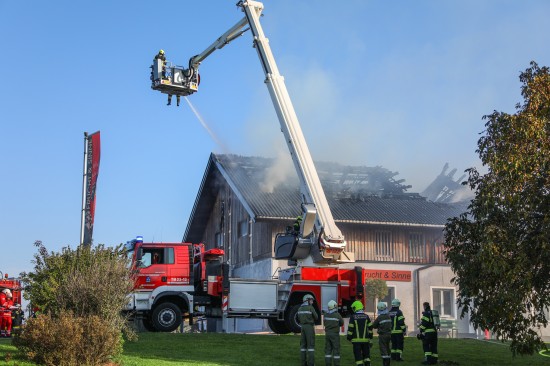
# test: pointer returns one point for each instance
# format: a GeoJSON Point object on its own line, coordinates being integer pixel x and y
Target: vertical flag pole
{"type": "Point", "coordinates": [83, 212]}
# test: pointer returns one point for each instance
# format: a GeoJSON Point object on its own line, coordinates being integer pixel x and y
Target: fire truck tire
{"type": "Point", "coordinates": [291, 319]}
{"type": "Point", "coordinates": [166, 317]}
{"type": "Point", "coordinates": [278, 327]}
{"type": "Point", "coordinates": [148, 325]}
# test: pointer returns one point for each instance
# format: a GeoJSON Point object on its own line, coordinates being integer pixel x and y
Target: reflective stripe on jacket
{"type": "Point", "coordinates": [332, 322]}
{"type": "Point", "coordinates": [307, 314]}
{"type": "Point", "coordinates": [427, 322]}
{"type": "Point", "coordinates": [359, 328]}
{"type": "Point", "coordinates": [398, 321]}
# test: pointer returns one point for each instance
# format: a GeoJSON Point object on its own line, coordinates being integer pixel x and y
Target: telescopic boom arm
{"type": "Point", "coordinates": [319, 239]}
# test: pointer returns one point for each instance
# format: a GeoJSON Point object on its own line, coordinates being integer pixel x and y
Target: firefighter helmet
{"type": "Point", "coordinates": [381, 306]}
{"type": "Point", "coordinates": [7, 292]}
{"type": "Point", "coordinates": [332, 305]}
{"type": "Point", "coordinates": [395, 302]}
{"type": "Point", "coordinates": [356, 306]}
{"type": "Point", "coordinates": [308, 297]}
{"type": "Point", "coordinates": [161, 52]}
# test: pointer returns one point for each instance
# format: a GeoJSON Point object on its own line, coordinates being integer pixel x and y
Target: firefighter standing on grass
{"type": "Point", "coordinates": [332, 322]}
{"type": "Point", "coordinates": [307, 316]}
{"type": "Point", "coordinates": [383, 324]}
{"type": "Point", "coordinates": [6, 306]}
{"type": "Point", "coordinates": [397, 331]}
{"type": "Point", "coordinates": [360, 334]}
{"type": "Point", "coordinates": [428, 334]}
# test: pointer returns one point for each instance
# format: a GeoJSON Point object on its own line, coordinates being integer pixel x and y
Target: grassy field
{"type": "Point", "coordinates": [206, 349]}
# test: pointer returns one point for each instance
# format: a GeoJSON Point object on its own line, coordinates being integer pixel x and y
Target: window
{"type": "Point", "coordinates": [389, 297]}
{"type": "Point", "coordinates": [417, 246]}
{"type": "Point", "coordinates": [170, 256]}
{"type": "Point", "coordinates": [218, 239]}
{"type": "Point", "coordinates": [444, 301]}
{"type": "Point", "coordinates": [151, 256]}
{"type": "Point", "coordinates": [384, 244]}
{"type": "Point", "coordinates": [243, 228]}
{"type": "Point", "coordinates": [371, 304]}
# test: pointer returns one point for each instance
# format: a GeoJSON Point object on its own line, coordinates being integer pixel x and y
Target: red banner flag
{"type": "Point", "coordinates": [92, 170]}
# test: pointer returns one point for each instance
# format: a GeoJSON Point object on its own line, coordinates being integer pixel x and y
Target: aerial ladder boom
{"type": "Point", "coordinates": [319, 239]}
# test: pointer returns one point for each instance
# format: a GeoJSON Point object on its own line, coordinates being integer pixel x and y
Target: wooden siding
{"type": "Point", "coordinates": [406, 244]}
{"type": "Point", "coordinates": [223, 231]}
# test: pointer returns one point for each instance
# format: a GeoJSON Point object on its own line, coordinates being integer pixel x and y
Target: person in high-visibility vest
{"type": "Point", "coordinates": [397, 331]}
{"type": "Point", "coordinates": [428, 334]}
{"type": "Point", "coordinates": [332, 321]}
{"type": "Point", "coordinates": [307, 316]}
{"type": "Point", "coordinates": [360, 334]}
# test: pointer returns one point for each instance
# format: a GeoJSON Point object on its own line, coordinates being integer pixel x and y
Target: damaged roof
{"type": "Point", "coordinates": [268, 190]}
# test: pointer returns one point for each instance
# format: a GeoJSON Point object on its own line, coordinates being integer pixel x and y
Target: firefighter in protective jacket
{"type": "Point", "coordinates": [428, 334]}
{"type": "Point", "coordinates": [6, 306]}
{"type": "Point", "coordinates": [360, 334]}
{"type": "Point", "coordinates": [332, 322]}
{"type": "Point", "coordinates": [397, 330]}
{"type": "Point", "coordinates": [307, 316]}
{"type": "Point", "coordinates": [383, 324]}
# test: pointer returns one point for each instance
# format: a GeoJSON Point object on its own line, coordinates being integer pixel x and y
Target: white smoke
{"type": "Point", "coordinates": [280, 171]}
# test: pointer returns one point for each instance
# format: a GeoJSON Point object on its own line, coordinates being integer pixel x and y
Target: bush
{"type": "Point", "coordinates": [80, 293]}
{"type": "Point", "coordinates": [67, 340]}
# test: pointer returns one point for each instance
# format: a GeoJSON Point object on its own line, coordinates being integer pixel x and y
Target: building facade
{"type": "Point", "coordinates": [396, 236]}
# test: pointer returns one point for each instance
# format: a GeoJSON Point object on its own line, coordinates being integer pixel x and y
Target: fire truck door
{"type": "Point", "coordinates": [328, 292]}
{"type": "Point", "coordinates": [153, 271]}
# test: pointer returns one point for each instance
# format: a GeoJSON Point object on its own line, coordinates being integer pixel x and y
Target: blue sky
{"type": "Point", "coordinates": [402, 84]}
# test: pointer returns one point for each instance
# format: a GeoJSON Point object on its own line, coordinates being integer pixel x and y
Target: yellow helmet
{"type": "Point", "coordinates": [161, 52]}
{"type": "Point", "coordinates": [356, 306]}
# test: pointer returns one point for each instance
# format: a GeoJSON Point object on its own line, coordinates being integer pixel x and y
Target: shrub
{"type": "Point", "coordinates": [80, 293]}
{"type": "Point", "coordinates": [67, 340]}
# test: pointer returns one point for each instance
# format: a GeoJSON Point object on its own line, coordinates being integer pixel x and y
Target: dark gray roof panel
{"type": "Point", "coordinates": [355, 194]}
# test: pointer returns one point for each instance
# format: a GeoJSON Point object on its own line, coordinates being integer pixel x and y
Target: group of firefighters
{"type": "Point", "coordinates": [390, 325]}
{"type": "Point", "coordinates": [6, 307]}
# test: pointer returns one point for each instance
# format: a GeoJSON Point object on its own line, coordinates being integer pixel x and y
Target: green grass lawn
{"type": "Point", "coordinates": [210, 349]}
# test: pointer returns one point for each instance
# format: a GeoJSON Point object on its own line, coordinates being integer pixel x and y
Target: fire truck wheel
{"type": "Point", "coordinates": [148, 325]}
{"type": "Point", "coordinates": [278, 327]}
{"type": "Point", "coordinates": [166, 317]}
{"type": "Point", "coordinates": [291, 319]}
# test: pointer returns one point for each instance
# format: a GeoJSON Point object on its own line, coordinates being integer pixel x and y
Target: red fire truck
{"type": "Point", "coordinates": [175, 279]}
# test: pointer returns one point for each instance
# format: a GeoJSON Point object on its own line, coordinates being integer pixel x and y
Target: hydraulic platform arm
{"type": "Point", "coordinates": [319, 239]}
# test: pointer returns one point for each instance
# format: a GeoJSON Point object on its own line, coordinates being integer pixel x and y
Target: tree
{"type": "Point", "coordinates": [500, 248]}
{"type": "Point", "coordinates": [376, 289]}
